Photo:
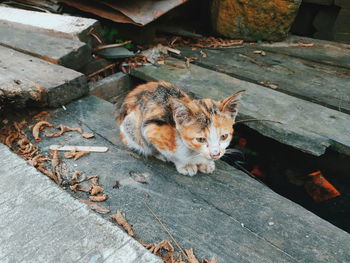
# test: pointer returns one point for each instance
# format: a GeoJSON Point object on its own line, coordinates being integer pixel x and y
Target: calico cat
{"type": "Point", "coordinates": [163, 121]}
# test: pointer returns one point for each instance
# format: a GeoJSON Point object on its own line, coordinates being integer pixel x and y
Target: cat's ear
{"type": "Point", "coordinates": [181, 112]}
{"type": "Point", "coordinates": [229, 105]}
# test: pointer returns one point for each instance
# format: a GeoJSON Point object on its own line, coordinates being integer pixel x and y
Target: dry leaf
{"type": "Point", "coordinates": [95, 189]}
{"type": "Point", "coordinates": [121, 221]}
{"type": "Point", "coordinates": [169, 257]}
{"type": "Point", "coordinates": [165, 244]}
{"type": "Point", "coordinates": [42, 116]}
{"type": "Point", "coordinates": [191, 258]}
{"type": "Point", "coordinates": [55, 165]}
{"type": "Point", "coordinates": [204, 260]}
{"type": "Point", "coordinates": [75, 177]}
{"type": "Point", "coordinates": [98, 198]}
{"type": "Point", "coordinates": [77, 187]}
{"type": "Point", "coordinates": [88, 135]}
{"type": "Point", "coordinates": [139, 177]}
{"type": "Point", "coordinates": [179, 260]}
{"type": "Point", "coordinates": [75, 155]}
{"type": "Point", "coordinates": [96, 207]}
{"type": "Point", "coordinates": [193, 48]}
{"type": "Point", "coordinates": [38, 127]}
{"type": "Point", "coordinates": [261, 52]}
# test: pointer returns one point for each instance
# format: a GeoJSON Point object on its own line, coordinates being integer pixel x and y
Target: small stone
{"type": "Point", "coordinates": [242, 225]}
{"type": "Point", "coordinates": [271, 223]}
{"type": "Point", "coordinates": [254, 19]}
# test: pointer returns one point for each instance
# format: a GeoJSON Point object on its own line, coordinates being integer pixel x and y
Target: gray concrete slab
{"type": "Point", "coordinates": [39, 222]}
{"type": "Point", "coordinates": [227, 214]}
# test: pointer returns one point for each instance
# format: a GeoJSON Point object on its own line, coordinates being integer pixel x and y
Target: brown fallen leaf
{"type": "Point", "coordinates": [96, 207]}
{"type": "Point", "coordinates": [75, 155]}
{"type": "Point", "coordinates": [165, 244]}
{"type": "Point", "coordinates": [121, 221]}
{"type": "Point", "coordinates": [38, 127]}
{"type": "Point", "coordinates": [191, 258]}
{"type": "Point", "coordinates": [261, 52]}
{"type": "Point", "coordinates": [77, 187]}
{"type": "Point", "coordinates": [75, 177]}
{"type": "Point", "coordinates": [88, 135]}
{"type": "Point", "coordinates": [55, 165]}
{"type": "Point", "coordinates": [169, 257]}
{"type": "Point", "coordinates": [204, 260]}
{"type": "Point", "coordinates": [98, 198]}
{"type": "Point", "coordinates": [41, 116]}
{"type": "Point", "coordinates": [179, 260]}
{"type": "Point", "coordinates": [95, 189]}
{"type": "Point", "coordinates": [348, 47]}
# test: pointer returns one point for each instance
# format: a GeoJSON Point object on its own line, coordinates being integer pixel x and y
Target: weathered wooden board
{"type": "Point", "coordinates": [308, 126]}
{"type": "Point", "coordinates": [26, 80]}
{"type": "Point", "coordinates": [226, 214]}
{"type": "Point", "coordinates": [331, 53]}
{"type": "Point", "coordinates": [323, 84]}
{"type": "Point", "coordinates": [71, 53]}
{"type": "Point", "coordinates": [59, 25]}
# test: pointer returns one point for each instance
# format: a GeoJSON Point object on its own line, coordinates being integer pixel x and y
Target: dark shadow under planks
{"type": "Point", "coordinates": [227, 214]}
{"type": "Point", "coordinates": [325, 85]}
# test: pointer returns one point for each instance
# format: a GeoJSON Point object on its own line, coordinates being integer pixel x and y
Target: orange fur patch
{"type": "Point", "coordinates": [163, 137]}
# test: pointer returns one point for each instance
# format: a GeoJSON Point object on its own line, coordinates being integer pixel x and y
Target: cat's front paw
{"type": "Point", "coordinates": [206, 168]}
{"type": "Point", "coordinates": [189, 169]}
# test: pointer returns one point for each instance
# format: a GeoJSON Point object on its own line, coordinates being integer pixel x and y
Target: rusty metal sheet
{"type": "Point", "coordinates": [143, 12]}
{"type": "Point", "coordinates": [138, 12]}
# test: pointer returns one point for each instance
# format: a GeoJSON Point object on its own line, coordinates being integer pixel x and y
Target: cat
{"type": "Point", "coordinates": [158, 119]}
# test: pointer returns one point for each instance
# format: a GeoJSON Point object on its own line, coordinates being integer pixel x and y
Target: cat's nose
{"type": "Point", "coordinates": [215, 156]}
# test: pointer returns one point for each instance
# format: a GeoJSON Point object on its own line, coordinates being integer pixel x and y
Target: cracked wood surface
{"type": "Point", "coordinates": [227, 214]}
{"type": "Point", "coordinates": [27, 80]}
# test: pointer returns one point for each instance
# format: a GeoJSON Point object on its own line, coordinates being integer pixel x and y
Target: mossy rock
{"type": "Point", "coordinates": [254, 19]}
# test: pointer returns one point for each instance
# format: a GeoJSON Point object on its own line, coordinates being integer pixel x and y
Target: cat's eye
{"type": "Point", "coordinates": [224, 137]}
{"type": "Point", "coordinates": [201, 139]}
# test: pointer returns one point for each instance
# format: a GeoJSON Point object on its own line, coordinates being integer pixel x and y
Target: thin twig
{"type": "Point", "coordinates": [112, 45]}
{"type": "Point", "coordinates": [247, 120]}
{"type": "Point", "coordinates": [94, 35]}
{"type": "Point", "coordinates": [165, 228]}
{"type": "Point", "coordinates": [101, 70]}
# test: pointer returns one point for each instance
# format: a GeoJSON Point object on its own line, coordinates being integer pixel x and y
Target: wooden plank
{"type": "Point", "coordinates": [59, 25]}
{"type": "Point", "coordinates": [327, 52]}
{"type": "Point", "coordinates": [26, 80]}
{"type": "Point", "coordinates": [323, 84]}
{"type": "Point", "coordinates": [226, 215]}
{"type": "Point", "coordinates": [70, 53]}
{"type": "Point", "coordinates": [308, 127]}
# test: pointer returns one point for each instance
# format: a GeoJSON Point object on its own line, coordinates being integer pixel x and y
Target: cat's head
{"type": "Point", "coordinates": [206, 125]}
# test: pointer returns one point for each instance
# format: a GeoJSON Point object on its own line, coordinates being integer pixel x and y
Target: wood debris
{"type": "Point", "coordinates": [203, 54]}
{"type": "Point", "coordinates": [301, 44]}
{"type": "Point", "coordinates": [121, 221]}
{"type": "Point", "coordinates": [94, 206]}
{"type": "Point", "coordinates": [39, 127]}
{"type": "Point", "coordinates": [139, 177]}
{"type": "Point", "coordinates": [261, 52]}
{"type": "Point", "coordinates": [188, 60]}
{"type": "Point", "coordinates": [79, 148]}
{"type": "Point", "coordinates": [64, 129]}
{"type": "Point", "coordinates": [98, 198]}
{"type": "Point", "coordinates": [75, 154]}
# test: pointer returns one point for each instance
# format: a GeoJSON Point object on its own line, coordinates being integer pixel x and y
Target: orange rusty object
{"type": "Point", "coordinates": [319, 188]}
